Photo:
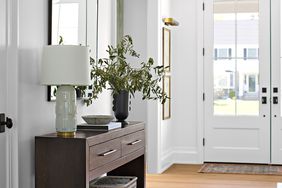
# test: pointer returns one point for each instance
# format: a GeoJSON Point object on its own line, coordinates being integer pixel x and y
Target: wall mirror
{"type": "Point", "coordinates": [76, 23]}
{"type": "Point", "coordinates": [85, 22]}
{"type": "Point", "coordinates": [69, 21]}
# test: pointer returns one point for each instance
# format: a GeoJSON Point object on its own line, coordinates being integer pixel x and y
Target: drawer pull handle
{"type": "Point", "coordinates": [108, 153]}
{"type": "Point", "coordinates": [135, 142]}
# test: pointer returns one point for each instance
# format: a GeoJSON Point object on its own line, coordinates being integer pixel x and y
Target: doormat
{"type": "Point", "coordinates": [252, 169]}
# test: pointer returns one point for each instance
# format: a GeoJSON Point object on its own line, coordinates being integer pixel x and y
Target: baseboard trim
{"type": "Point", "coordinates": [185, 155]}
{"type": "Point", "coordinates": [166, 160]}
{"type": "Point", "coordinates": [179, 155]}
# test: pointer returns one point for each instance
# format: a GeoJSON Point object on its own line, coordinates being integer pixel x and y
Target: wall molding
{"type": "Point", "coordinates": [12, 24]}
{"type": "Point", "coordinates": [166, 160]}
{"type": "Point", "coordinates": [179, 155]}
{"type": "Point", "coordinates": [185, 155]}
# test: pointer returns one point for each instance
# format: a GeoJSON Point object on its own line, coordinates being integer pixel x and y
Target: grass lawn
{"type": "Point", "coordinates": [236, 107]}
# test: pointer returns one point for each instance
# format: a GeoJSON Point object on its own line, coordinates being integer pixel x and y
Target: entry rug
{"type": "Point", "coordinates": [222, 168]}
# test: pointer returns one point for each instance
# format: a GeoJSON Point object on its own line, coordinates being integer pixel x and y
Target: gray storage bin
{"type": "Point", "coordinates": [115, 182]}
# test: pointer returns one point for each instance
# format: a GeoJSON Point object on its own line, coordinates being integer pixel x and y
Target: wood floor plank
{"type": "Point", "coordinates": [187, 176]}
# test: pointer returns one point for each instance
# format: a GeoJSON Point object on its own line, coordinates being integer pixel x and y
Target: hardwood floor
{"type": "Point", "coordinates": [186, 176]}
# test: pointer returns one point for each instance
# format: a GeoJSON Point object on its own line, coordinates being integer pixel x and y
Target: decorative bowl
{"type": "Point", "coordinates": [98, 119]}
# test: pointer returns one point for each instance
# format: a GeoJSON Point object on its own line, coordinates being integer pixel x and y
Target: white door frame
{"type": "Point", "coordinates": [200, 80]}
{"type": "Point", "coordinates": [12, 91]}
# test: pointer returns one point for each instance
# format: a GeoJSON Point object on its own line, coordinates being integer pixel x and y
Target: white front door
{"type": "Point", "coordinates": [237, 81]}
{"type": "Point", "coordinates": [276, 80]}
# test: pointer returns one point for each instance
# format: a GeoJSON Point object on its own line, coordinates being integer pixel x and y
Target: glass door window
{"type": "Point", "coordinates": [236, 40]}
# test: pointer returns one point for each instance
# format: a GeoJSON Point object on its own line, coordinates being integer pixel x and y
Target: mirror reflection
{"type": "Point", "coordinates": [69, 22]}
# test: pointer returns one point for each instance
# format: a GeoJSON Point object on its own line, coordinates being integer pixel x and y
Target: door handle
{"type": "Point", "coordinates": [8, 123]}
{"type": "Point", "coordinates": [264, 100]}
{"type": "Point", "coordinates": [275, 100]}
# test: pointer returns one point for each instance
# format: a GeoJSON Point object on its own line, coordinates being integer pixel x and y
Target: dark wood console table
{"type": "Point", "coordinates": [74, 162]}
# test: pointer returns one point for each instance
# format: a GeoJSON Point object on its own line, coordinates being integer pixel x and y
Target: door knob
{"type": "Point", "coordinates": [8, 123]}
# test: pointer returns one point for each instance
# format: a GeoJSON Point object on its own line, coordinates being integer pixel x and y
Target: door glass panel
{"type": "Point", "coordinates": [236, 62]}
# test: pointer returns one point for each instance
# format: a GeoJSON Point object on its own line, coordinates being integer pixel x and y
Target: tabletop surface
{"type": "Point", "coordinates": [85, 134]}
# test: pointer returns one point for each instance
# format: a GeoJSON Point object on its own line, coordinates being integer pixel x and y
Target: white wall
{"type": "Point", "coordinates": [135, 25]}
{"type": "Point", "coordinates": [184, 82]}
{"type": "Point", "coordinates": [167, 126]}
{"type": "Point", "coordinates": [36, 115]}
{"type": "Point", "coordinates": [147, 36]}
{"type": "Point", "coordinates": [141, 17]}
{"type": "Point", "coordinates": [175, 140]}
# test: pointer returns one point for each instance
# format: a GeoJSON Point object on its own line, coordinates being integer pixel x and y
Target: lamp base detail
{"type": "Point", "coordinates": [66, 134]}
{"type": "Point", "coordinates": [66, 110]}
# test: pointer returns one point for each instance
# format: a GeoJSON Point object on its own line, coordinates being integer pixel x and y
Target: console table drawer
{"type": "Point", "coordinates": [133, 142]}
{"type": "Point", "coordinates": [104, 153]}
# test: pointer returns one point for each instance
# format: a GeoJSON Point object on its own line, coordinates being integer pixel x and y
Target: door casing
{"type": "Point", "coordinates": [12, 46]}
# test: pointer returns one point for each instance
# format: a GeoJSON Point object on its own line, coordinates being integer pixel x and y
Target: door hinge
{"type": "Point", "coordinates": [204, 96]}
{"type": "Point", "coordinates": [203, 51]}
{"type": "Point", "coordinates": [204, 141]}
{"type": "Point", "coordinates": [203, 6]}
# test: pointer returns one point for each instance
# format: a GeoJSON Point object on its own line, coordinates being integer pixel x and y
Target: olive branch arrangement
{"type": "Point", "coordinates": [116, 73]}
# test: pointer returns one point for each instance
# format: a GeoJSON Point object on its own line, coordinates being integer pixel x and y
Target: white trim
{"type": "Point", "coordinates": [200, 80]}
{"type": "Point", "coordinates": [12, 89]}
{"type": "Point", "coordinates": [276, 119]}
{"type": "Point", "coordinates": [185, 155]}
{"type": "Point", "coordinates": [179, 155]}
{"type": "Point", "coordinates": [153, 113]}
{"type": "Point", "coordinates": [167, 160]}
{"type": "Point", "coordinates": [114, 23]}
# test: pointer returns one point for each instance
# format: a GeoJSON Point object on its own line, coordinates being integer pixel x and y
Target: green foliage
{"type": "Point", "coordinates": [116, 73]}
{"type": "Point", "coordinates": [232, 94]}
{"type": "Point", "coordinates": [61, 41]}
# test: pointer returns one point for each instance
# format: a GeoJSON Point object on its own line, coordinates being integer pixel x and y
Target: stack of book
{"type": "Point", "coordinates": [103, 127]}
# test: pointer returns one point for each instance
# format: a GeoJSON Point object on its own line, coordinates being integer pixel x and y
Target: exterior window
{"type": "Point", "coordinates": [215, 54]}
{"type": "Point", "coordinates": [231, 80]}
{"type": "Point", "coordinates": [222, 53]}
{"type": "Point", "coordinates": [252, 83]}
{"type": "Point", "coordinates": [250, 53]}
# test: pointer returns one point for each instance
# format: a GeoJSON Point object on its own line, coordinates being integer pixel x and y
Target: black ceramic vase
{"type": "Point", "coordinates": [120, 106]}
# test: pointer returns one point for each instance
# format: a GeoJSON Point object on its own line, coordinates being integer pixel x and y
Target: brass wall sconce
{"type": "Point", "coordinates": [170, 22]}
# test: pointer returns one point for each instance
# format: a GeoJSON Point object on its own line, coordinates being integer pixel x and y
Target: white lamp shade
{"type": "Point", "coordinates": [65, 65]}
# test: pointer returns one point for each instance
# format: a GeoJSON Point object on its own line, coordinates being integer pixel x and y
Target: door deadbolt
{"type": "Point", "coordinates": [275, 100]}
{"type": "Point", "coordinates": [264, 100]}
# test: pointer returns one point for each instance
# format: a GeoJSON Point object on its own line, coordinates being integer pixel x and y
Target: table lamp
{"type": "Point", "coordinates": [65, 66]}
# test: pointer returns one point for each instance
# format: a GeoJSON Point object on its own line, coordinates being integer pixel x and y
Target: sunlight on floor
{"type": "Point", "coordinates": [187, 176]}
